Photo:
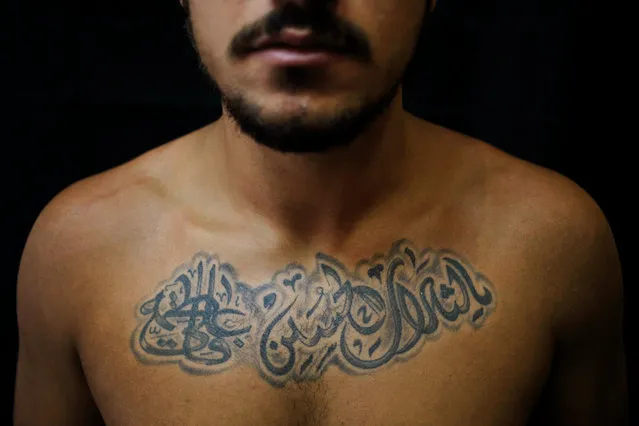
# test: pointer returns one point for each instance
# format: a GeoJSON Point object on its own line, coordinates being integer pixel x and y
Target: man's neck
{"type": "Point", "coordinates": [318, 197]}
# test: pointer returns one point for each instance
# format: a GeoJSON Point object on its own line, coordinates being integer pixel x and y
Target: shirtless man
{"type": "Point", "coordinates": [318, 256]}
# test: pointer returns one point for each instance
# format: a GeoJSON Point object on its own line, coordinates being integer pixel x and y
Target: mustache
{"type": "Point", "coordinates": [329, 31]}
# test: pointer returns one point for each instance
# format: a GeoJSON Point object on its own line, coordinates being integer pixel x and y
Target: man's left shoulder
{"type": "Point", "coordinates": [557, 243]}
{"type": "Point", "coordinates": [541, 201]}
{"type": "Point", "coordinates": [560, 231]}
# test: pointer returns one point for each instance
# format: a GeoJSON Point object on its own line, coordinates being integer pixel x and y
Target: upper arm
{"type": "Point", "coordinates": [587, 384]}
{"type": "Point", "coordinates": [50, 387]}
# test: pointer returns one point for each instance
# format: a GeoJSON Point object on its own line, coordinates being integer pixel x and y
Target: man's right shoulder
{"type": "Point", "coordinates": [83, 229]}
{"type": "Point", "coordinates": [91, 208]}
{"type": "Point", "coordinates": [102, 211]}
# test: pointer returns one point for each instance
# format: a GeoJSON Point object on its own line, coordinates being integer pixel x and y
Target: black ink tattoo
{"type": "Point", "coordinates": [296, 326]}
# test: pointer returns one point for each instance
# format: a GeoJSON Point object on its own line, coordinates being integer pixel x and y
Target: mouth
{"type": "Point", "coordinates": [296, 56]}
{"type": "Point", "coordinates": [296, 48]}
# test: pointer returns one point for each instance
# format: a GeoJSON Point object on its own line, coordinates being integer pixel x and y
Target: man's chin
{"type": "Point", "coordinates": [299, 136]}
{"type": "Point", "coordinates": [300, 130]}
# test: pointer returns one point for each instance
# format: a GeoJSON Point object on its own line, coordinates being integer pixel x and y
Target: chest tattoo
{"type": "Point", "coordinates": [206, 320]}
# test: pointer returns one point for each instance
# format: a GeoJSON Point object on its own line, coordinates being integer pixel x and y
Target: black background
{"type": "Point", "coordinates": [106, 81]}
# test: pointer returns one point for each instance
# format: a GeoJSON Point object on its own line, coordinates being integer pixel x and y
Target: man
{"type": "Point", "coordinates": [319, 256]}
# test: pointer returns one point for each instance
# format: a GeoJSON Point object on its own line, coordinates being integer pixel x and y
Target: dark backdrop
{"type": "Point", "coordinates": [107, 81]}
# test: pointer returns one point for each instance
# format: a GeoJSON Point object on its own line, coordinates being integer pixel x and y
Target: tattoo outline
{"type": "Point", "coordinates": [297, 325]}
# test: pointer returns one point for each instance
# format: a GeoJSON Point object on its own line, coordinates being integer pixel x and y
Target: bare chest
{"type": "Point", "coordinates": [411, 336]}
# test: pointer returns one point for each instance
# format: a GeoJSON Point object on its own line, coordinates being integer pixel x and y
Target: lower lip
{"type": "Point", "coordinates": [292, 57]}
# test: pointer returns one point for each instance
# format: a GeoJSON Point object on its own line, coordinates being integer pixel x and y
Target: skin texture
{"type": "Point", "coordinates": [553, 340]}
{"type": "Point", "coordinates": [453, 282]}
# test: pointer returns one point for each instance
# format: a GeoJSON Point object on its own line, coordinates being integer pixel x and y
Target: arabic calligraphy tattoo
{"type": "Point", "coordinates": [294, 327]}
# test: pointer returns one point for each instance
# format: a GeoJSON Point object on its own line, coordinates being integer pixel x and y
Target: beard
{"type": "Point", "coordinates": [301, 132]}
{"type": "Point", "coordinates": [304, 133]}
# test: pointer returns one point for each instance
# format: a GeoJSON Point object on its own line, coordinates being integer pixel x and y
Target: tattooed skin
{"type": "Point", "coordinates": [293, 328]}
